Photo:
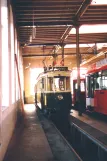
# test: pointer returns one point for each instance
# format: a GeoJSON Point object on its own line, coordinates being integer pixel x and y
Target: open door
{"type": "Point", "coordinates": [82, 90]}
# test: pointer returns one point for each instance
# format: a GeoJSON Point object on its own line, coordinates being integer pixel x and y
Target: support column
{"type": "Point", "coordinates": [78, 97]}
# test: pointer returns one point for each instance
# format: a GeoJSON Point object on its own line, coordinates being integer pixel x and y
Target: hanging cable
{"type": "Point", "coordinates": [34, 28]}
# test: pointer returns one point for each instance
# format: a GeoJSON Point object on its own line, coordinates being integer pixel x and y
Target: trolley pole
{"type": "Point", "coordinates": [78, 96]}
{"type": "Point", "coordinates": [54, 58]}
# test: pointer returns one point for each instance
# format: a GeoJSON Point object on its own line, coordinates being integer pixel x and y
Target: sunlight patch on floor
{"type": "Point", "coordinates": [29, 108]}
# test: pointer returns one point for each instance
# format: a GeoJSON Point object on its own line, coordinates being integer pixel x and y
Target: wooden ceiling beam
{"type": "Point", "coordinates": [35, 55]}
{"type": "Point", "coordinates": [78, 14]}
{"type": "Point", "coordinates": [83, 7]}
{"type": "Point", "coordinates": [45, 23]}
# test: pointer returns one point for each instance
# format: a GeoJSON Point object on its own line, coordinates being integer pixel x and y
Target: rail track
{"type": "Point", "coordinates": [84, 145]}
{"type": "Point", "coordinates": [61, 149]}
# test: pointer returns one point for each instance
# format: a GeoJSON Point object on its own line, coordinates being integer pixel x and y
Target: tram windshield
{"type": "Point", "coordinates": [96, 81]}
{"type": "Point", "coordinates": [100, 80]}
{"type": "Point", "coordinates": [58, 83]}
{"type": "Point", "coordinates": [104, 80]}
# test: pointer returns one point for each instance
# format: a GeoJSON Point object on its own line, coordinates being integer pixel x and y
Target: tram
{"type": "Point", "coordinates": [96, 87]}
{"type": "Point", "coordinates": [52, 90]}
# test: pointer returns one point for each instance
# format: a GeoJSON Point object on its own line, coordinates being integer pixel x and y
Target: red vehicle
{"type": "Point", "coordinates": [96, 87]}
{"type": "Point", "coordinates": [74, 88]}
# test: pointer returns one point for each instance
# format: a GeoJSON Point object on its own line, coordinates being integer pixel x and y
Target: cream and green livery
{"type": "Point", "coordinates": [52, 90]}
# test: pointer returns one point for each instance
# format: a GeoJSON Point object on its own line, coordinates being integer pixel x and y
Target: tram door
{"type": "Point", "coordinates": [74, 91]}
{"type": "Point", "coordinates": [89, 91]}
{"type": "Point", "coordinates": [82, 90]}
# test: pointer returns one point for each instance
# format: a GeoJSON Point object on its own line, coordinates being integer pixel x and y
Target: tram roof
{"type": "Point", "coordinates": [54, 73]}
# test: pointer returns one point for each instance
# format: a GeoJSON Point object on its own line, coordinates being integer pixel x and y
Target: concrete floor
{"type": "Point", "coordinates": [96, 122]}
{"type": "Point", "coordinates": [29, 142]}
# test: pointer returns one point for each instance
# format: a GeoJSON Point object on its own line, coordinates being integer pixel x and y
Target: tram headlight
{"type": "Point", "coordinates": [60, 97]}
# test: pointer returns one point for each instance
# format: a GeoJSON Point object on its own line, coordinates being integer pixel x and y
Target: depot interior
{"type": "Point", "coordinates": [34, 34]}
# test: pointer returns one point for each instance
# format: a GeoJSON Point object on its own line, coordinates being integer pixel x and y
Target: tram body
{"type": "Point", "coordinates": [52, 90]}
{"type": "Point", "coordinates": [96, 87]}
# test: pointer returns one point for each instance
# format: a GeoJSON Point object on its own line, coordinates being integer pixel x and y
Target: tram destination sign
{"type": "Point", "coordinates": [97, 65]}
{"type": "Point", "coordinates": [59, 68]}
{"type": "Point", "coordinates": [101, 63]}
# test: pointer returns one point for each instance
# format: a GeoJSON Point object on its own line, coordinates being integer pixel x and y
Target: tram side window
{"type": "Point", "coordinates": [43, 83]}
{"type": "Point", "coordinates": [39, 86]}
{"type": "Point", "coordinates": [104, 79]}
{"type": "Point", "coordinates": [87, 86]}
{"type": "Point", "coordinates": [97, 80]}
{"type": "Point", "coordinates": [58, 83]}
{"type": "Point", "coordinates": [61, 84]}
{"type": "Point", "coordinates": [92, 86]}
{"type": "Point", "coordinates": [50, 84]}
{"type": "Point", "coordinates": [67, 83]}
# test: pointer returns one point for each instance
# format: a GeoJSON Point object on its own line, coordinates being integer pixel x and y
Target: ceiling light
{"type": "Point", "coordinates": [31, 38]}
{"type": "Point", "coordinates": [100, 28]}
{"type": "Point", "coordinates": [99, 2]}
